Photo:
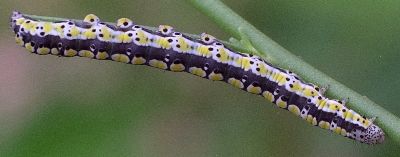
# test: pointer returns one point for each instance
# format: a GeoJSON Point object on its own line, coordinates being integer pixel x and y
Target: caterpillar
{"type": "Point", "coordinates": [205, 57]}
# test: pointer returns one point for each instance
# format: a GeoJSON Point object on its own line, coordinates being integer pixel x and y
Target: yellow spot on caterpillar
{"type": "Point", "coordinates": [294, 109]}
{"type": "Point", "coordinates": [356, 117]}
{"type": "Point", "coordinates": [54, 51]}
{"type": "Point", "coordinates": [120, 58]}
{"type": "Point", "coordinates": [91, 18]}
{"type": "Point", "coordinates": [197, 71]}
{"type": "Point", "coordinates": [215, 77]}
{"type": "Point", "coordinates": [273, 75]}
{"type": "Point", "coordinates": [223, 55]}
{"type": "Point", "coordinates": [349, 115]}
{"type": "Point", "coordinates": [337, 130]}
{"type": "Point", "coordinates": [102, 55]}
{"type": "Point", "coordinates": [60, 29]}
{"type": "Point", "coordinates": [89, 34]}
{"type": "Point", "coordinates": [253, 89]}
{"type": "Point", "coordinates": [334, 107]}
{"type": "Point", "coordinates": [280, 103]}
{"type": "Point", "coordinates": [269, 96]}
{"type": "Point", "coordinates": [19, 41]}
{"type": "Point", "coordinates": [141, 38]}
{"type": "Point", "coordinates": [318, 101]}
{"type": "Point", "coordinates": [183, 45]}
{"type": "Point", "coordinates": [324, 125]}
{"type": "Point", "coordinates": [31, 27]}
{"type": "Point", "coordinates": [314, 121]}
{"type": "Point", "coordinates": [177, 67]}
{"type": "Point", "coordinates": [43, 51]}
{"type": "Point", "coordinates": [165, 29]}
{"type": "Point", "coordinates": [158, 64]}
{"type": "Point", "coordinates": [202, 50]}
{"type": "Point", "coordinates": [70, 53]}
{"type": "Point", "coordinates": [75, 32]}
{"type": "Point", "coordinates": [33, 30]}
{"type": "Point", "coordinates": [124, 37]}
{"type": "Point", "coordinates": [207, 38]}
{"type": "Point", "coordinates": [47, 27]}
{"type": "Point", "coordinates": [29, 47]}
{"type": "Point", "coordinates": [321, 104]}
{"type": "Point", "coordinates": [20, 21]}
{"type": "Point", "coordinates": [309, 92]}
{"type": "Point", "coordinates": [245, 64]}
{"type": "Point", "coordinates": [105, 34]}
{"type": "Point", "coordinates": [263, 70]}
{"type": "Point", "coordinates": [86, 53]}
{"type": "Point", "coordinates": [296, 87]}
{"type": "Point", "coordinates": [138, 60]}
{"type": "Point", "coordinates": [366, 123]}
{"type": "Point", "coordinates": [343, 132]}
{"type": "Point", "coordinates": [235, 60]}
{"type": "Point", "coordinates": [124, 22]}
{"type": "Point", "coordinates": [309, 119]}
{"type": "Point", "coordinates": [236, 83]}
{"type": "Point", "coordinates": [280, 78]}
{"type": "Point", "coordinates": [163, 43]}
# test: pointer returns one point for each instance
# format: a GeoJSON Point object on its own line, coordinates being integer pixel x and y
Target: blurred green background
{"type": "Point", "coordinates": [52, 106]}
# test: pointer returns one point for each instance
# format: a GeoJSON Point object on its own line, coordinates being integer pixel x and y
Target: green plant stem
{"type": "Point", "coordinates": [229, 21]}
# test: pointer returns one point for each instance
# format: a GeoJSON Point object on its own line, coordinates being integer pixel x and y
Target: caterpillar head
{"type": "Point", "coordinates": [372, 135]}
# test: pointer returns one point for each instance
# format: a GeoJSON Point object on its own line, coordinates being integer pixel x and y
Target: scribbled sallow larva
{"type": "Point", "coordinates": [205, 57]}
